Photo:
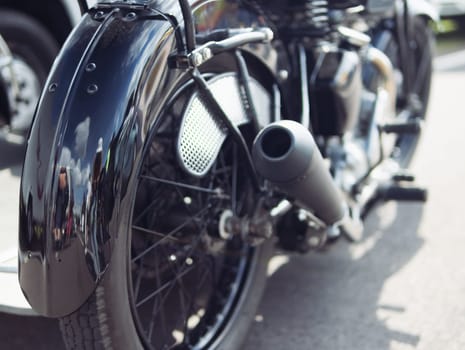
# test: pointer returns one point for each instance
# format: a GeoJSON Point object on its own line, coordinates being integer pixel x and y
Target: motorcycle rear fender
{"type": "Point", "coordinates": [102, 96]}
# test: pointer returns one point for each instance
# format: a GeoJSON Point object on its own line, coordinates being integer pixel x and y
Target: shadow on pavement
{"type": "Point", "coordinates": [332, 301]}
{"type": "Point", "coordinates": [38, 333]}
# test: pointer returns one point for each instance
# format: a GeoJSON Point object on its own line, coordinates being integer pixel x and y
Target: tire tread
{"type": "Point", "coordinates": [81, 330]}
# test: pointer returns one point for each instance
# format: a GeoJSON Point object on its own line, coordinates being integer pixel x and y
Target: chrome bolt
{"type": "Point", "coordinates": [314, 241]}
{"type": "Point", "coordinates": [283, 74]}
{"type": "Point", "coordinates": [92, 89]}
{"type": "Point", "coordinates": [131, 16]}
{"type": "Point", "coordinates": [206, 54]}
{"type": "Point", "coordinates": [99, 15]}
{"type": "Point", "coordinates": [52, 87]}
{"type": "Point", "coordinates": [197, 59]}
{"type": "Point", "coordinates": [91, 67]}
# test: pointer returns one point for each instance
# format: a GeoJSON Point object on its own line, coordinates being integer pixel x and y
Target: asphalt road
{"type": "Point", "coordinates": [403, 287]}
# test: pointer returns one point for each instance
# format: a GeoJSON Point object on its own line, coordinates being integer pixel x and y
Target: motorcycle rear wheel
{"type": "Point", "coordinates": [173, 282]}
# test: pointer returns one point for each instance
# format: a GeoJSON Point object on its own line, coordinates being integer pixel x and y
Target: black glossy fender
{"type": "Point", "coordinates": [104, 92]}
{"type": "Point", "coordinates": [81, 152]}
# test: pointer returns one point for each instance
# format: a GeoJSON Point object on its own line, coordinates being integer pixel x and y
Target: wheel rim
{"type": "Point", "coordinates": [185, 281]}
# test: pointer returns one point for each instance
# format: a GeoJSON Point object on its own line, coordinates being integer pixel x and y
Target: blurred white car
{"type": "Point", "coordinates": [450, 8]}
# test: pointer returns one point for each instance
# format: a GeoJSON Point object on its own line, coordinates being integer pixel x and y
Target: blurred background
{"type": "Point", "coordinates": [402, 287]}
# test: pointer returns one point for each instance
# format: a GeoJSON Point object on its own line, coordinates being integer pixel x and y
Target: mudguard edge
{"type": "Point", "coordinates": [81, 150]}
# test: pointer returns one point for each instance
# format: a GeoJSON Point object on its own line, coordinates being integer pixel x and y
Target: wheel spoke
{"type": "Point", "coordinates": [165, 237]}
{"type": "Point", "coordinates": [159, 234]}
{"type": "Point", "coordinates": [138, 282]}
{"type": "Point", "coordinates": [196, 291]}
{"type": "Point", "coordinates": [181, 185]}
{"type": "Point", "coordinates": [184, 312]}
{"type": "Point", "coordinates": [147, 209]}
{"type": "Point", "coordinates": [171, 284]}
{"type": "Point", "coordinates": [234, 182]}
{"type": "Point", "coordinates": [168, 285]}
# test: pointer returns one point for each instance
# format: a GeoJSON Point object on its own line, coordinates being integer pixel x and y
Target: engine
{"type": "Point", "coordinates": [352, 84]}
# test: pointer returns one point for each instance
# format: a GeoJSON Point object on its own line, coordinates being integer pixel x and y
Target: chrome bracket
{"type": "Point", "coordinates": [205, 52]}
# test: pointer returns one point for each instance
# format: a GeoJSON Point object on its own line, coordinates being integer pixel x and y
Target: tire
{"type": "Point", "coordinates": [173, 283]}
{"type": "Point", "coordinates": [29, 39]}
{"type": "Point", "coordinates": [421, 52]}
{"type": "Point", "coordinates": [33, 49]}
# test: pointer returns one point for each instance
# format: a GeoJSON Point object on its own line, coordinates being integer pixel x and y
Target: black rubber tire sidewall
{"type": "Point", "coordinates": [28, 39]}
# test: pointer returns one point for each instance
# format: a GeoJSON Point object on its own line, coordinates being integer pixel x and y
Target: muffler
{"type": "Point", "coordinates": [285, 154]}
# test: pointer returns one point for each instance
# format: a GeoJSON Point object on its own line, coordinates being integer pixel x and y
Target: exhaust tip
{"type": "Point", "coordinates": [283, 151]}
{"type": "Point", "coordinates": [276, 143]}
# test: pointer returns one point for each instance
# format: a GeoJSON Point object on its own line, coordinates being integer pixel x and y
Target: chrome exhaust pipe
{"type": "Point", "coordinates": [383, 64]}
{"type": "Point", "coordinates": [285, 154]}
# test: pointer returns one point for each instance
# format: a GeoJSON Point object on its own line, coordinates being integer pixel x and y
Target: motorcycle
{"type": "Point", "coordinates": [176, 143]}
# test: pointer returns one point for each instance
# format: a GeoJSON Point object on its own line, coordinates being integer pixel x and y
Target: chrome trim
{"type": "Point", "coordinates": [246, 36]}
{"type": "Point", "coordinates": [384, 66]}
{"type": "Point", "coordinates": [353, 36]}
{"type": "Point", "coordinates": [281, 208]}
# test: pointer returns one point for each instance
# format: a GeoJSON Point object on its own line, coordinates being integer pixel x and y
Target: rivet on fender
{"type": "Point", "coordinates": [91, 67]}
{"type": "Point", "coordinates": [92, 89]}
{"type": "Point", "coordinates": [99, 15]}
{"type": "Point", "coordinates": [131, 16]}
{"type": "Point", "coordinates": [52, 87]}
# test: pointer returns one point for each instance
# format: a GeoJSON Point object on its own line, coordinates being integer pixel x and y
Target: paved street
{"type": "Point", "coordinates": [403, 287]}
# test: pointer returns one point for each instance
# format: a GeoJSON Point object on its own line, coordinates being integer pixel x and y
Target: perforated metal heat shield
{"type": "Point", "coordinates": [202, 134]}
